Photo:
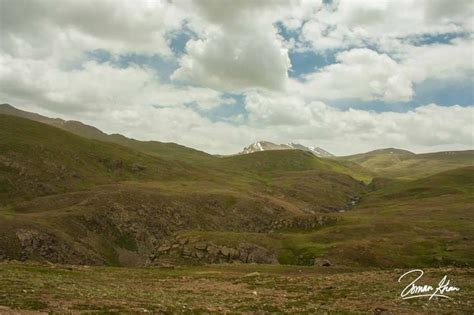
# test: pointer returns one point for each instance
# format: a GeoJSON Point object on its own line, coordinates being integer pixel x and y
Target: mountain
{"type": "Point", "coordinates": [168, 151]}
{"type": "Point", "coordinates": [70, 199]}
{"type": "Point", "coordinates": [269, 146]}
{"type": "Point", "coordinates": [37, 159]}
{"type": "Point", "coordinates": [402, 164]}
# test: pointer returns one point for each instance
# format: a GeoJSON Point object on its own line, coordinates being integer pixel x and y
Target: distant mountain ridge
{"type": "Point", "coordinates": [403, 164]}
{"type": "Point", "coordinates": [269, 146]}
{"type": "Point", "coordinates": [164, 150]}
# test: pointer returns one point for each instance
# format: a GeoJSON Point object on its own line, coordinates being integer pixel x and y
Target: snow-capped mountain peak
{"type": "Point", "coordinates": [321, 152]}
{"type": "Point", "coordinates": [269, 146]}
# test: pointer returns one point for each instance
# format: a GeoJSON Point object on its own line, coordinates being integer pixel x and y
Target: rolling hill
{"type": "Point", "coordinates": [402, 164]}
{"type": "Point", "coordinates": [70, 199]}
{"type": "Point", "coordinates": [37, 159]}
{"type": "Point", "coordinates": [423, 223]}
{"type": "Point", "coordinates": [168, 151]}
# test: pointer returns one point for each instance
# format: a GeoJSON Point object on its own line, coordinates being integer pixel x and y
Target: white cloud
{"type": "Point", "coordinates": [39, 29]}
{"type": "Point", "coordinates": [118, 100]}
{"type": "Point", "coordinates": [240, 49]}
{"type": "Point", "coordinates": [235, 62]}
{"type": "Point", "coordinates": [359, 74]}
{"type": "Point", "coordinates": [355, 23]}
{"type": "Point", "coordinates": [341, 132]}
{"type": "Point", "coordinates": [94, 87]}
{"type": "Point", "coordinates": [439, 61]}
{"type": "Point", "coordinates": [350, 131]}
{"type": "Point", "coordinates": [366, 75]}
{"type": "Point", "coordinates": [270, 109]}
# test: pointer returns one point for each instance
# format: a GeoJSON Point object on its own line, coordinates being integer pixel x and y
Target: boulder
{"type": "Point", "coordinates": [225, 251]}
{"type": "Point", "coordinates": [187, 251]}
{"type": "Point", "coordinates": [322, 262]}
{"type": "Point", "coordinates": [200, 245]}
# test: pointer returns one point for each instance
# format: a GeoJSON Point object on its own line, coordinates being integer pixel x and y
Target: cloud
{"type": "Point", "coordinates": [357, 23]}
{"type": "Point", "coordinates": [120, 101]}
{"type": "Point", "coordinates": [452, 61]}
{"type": "Point", "coordinates": [270, 109]}
{"type": "Point", "coordinates": [339, 131]}
{"type": "Point", "coordinates": [349, 131]}
{"type": "Point", "coordinates": [359, 74]}
{"type": "Point", "coordinates": [240, 48]}
{"type": "Point", "coordinates": [366, 75]}
{"type": "Point", "coordinates": [39, 29]}
{"type": "Point", "coordinates": [98, 87]}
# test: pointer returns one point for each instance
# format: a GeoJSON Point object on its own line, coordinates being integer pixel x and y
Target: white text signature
{"type": "Point", "coordinates": [415, 290]}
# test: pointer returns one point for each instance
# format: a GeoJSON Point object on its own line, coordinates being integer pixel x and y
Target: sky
{"type": "Point", "coordinates": [216, 75]}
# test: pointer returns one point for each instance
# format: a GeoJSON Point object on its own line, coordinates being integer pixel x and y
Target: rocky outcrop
{"type": "Point", "coordinates": [45, 246]}
{"type": "Point", "coordinates": [203, 251]}
{"type": "Point", "coordinates": [305, 223]}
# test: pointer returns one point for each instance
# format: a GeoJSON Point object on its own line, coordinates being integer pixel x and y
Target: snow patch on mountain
{"type": "Point", "coordinates": [269, 146]}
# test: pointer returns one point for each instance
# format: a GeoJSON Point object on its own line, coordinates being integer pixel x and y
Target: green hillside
{"type": "Point", "coordinates": [425, 222]}
{"type": "Point", "coordinates": [65, 198]}
{"type": "Point", "coordinates": [270, 163]}
{"type": "Point", "coordinates": [401, 164]}
{"type": "Point", "coordinates": [168, 151]}
{"type": "Point", "coordinates": [37, 159]}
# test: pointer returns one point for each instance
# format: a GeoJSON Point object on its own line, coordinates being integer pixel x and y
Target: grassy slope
{"type": "Point", "coordinates": [273, 163]}
{"type": "Point", "coordinates": [420, 223]}
{"type": "Point", "coordinates": [64, 162]}
{"type": "Point", "coordinates": [427, 222]}
{"type": "Point", "coordinates": [142, 197]}
{"type": "Point", "coordinates": [36, 159]}
{"type": "Point", "coordinates": [401, 164]}
{"type": "Point", "coordinates": [167, 151]}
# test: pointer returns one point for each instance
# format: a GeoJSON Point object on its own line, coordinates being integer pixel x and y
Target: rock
{"type": "Point", "coordinates": [163, 248]}
{"type": "Point", "coordinates": [252, 275]}
{"type": "Point", "coordinates": [380, 310]}
{"type": "Point", "coordinates": [137, 167]}
{"type": "Point", "coordinates": [225, 251]}
{"type": "Point", "coordinates": [212, 250]}
{"type": "Point", "coordinates": [233, 253]}
{"type": "Point", "coordinates": [187, 251]}
{"type": "Point", "coordinates": [199, 254]}
{"type": "Point", "coordinates": [322, 262]}
{"type": "Point", "coordinates": [200, 245]}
